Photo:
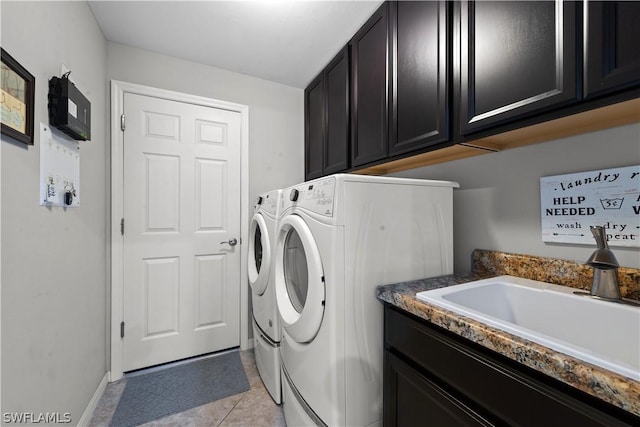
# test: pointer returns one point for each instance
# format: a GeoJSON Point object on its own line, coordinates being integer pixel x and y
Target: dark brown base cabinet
{"type": "Point", "coordinates": [434, 378]}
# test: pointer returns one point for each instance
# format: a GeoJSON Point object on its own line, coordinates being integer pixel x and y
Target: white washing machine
{"type": "Point", "coordinates": [266, 322]}
{"type": "Point", "coordinates": [338, 238]}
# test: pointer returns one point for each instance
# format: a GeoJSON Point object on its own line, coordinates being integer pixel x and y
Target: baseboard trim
{"type": "Point", "coordinates": [247, 345]}
{"type": "Point", "coordinates": [88, 412]}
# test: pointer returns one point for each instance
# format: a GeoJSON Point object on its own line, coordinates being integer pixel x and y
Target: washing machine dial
{"type": "Point", "coordinates": [293, 196]}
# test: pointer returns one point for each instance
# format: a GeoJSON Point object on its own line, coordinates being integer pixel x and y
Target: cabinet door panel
{"type": "Point", "coordinates": [336, 148]}
{"type": "Point", "coordinates": [419, 81]}
{"type": "Point", "coordinates": [516, 58]}
{"type": "Point", "coordinates": [411, 399]}
{"type": "Point", "coordinates": [612, 46]}
{"type": "Point", "coordinates": [314, 129]}
{"type": "Point", "coordinates": [369, 90]}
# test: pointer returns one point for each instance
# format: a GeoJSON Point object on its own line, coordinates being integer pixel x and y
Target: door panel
{"type": "Point", "coordinates": [161, 281]}
{"type": "Point", "coordinates": [210, 195]}
{"type": "Point", "coordinates": [336, 143]}
{"type": "Point", "coordinates": [517, 58]}
{"type": "Point", "coordinates": [419, 75]}
{"type": "Point", "coordinates": [611, 46]}
{"type": "Point", "coordinates": [162, 182]}
{"type": "Point", "coordinates": [369, 90]}
{"type": "Point", "coordinates": [210, 274]}
{"type": "Point", "coordinates": [181, 207]}
{"type": "Point", "coordinates": [314, 129]}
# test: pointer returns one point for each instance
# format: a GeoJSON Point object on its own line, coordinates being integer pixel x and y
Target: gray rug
{"type": "Point", "coordinates": [155, 395]}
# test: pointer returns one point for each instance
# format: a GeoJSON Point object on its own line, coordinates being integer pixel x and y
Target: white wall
{"type": "Point", "coordinates": [276, 121]}
{"type": "Point", "coordinates": [498, 204]}
{"type": "Point", "coordinates": [54, 260]}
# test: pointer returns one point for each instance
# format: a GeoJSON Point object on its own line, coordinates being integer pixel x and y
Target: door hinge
{"type": "Point", "coordinates": [122, 329]}
{"type": "Point", "coordinates": [122, 122]}
{"type": "Point", "coordinates": [122, 227]}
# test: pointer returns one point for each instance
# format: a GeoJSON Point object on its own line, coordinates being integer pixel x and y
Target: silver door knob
{"type": "Point", "coordinates": [232, 241]}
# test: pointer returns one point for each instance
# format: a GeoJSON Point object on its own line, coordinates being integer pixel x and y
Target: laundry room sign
{"type": "Point", "coordinates": [569, 204]}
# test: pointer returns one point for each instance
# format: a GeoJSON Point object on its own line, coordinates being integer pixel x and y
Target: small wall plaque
{"type": "Point", "coordinates": [608, 197]}
{"type": "Point", "coordinates": [59, 169]}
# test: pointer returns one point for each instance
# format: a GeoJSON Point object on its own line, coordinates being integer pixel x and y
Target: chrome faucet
{"type": "Point", "coordinates": [605, 267]}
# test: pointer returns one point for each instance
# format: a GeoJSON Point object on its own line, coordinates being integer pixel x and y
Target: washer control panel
{"type": "Point", "coordinates": [316, 196]}
{"type": "Point", "coordinates": [270, 203]}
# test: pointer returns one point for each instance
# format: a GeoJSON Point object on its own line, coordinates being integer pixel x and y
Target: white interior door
{"type": "Point", "coordinates": [181, 267]}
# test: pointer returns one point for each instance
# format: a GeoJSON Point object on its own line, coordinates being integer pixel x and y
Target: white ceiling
{"type": "Point", "coordinates": [288, 42]}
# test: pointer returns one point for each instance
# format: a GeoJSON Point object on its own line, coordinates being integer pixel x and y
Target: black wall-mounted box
{"type": "Point", "coordinates": [69, 110]}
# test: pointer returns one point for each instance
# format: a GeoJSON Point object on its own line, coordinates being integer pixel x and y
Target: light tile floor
{"type": "Point", "coordinates": [252, 408]}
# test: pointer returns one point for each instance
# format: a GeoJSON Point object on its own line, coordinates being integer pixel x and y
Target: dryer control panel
{"type": "Point", "coordinates": [316, 196]}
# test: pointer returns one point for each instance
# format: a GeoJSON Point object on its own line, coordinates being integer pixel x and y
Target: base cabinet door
{"type": "Point", "coordinates": [612, 46]}
{"type": "Point", "coordinates": [517, 58]}
{"type": "Point", "coordinates": [411, 399]}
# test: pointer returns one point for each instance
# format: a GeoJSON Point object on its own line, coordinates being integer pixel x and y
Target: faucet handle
{"type": "Point", "coordinates": [602, 257]}
{"type": "Point", "coordinates": [600, 234]}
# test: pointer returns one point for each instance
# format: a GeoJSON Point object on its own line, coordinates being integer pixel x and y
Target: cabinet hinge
{"type": "Point", "coordinates": [122, 329]}
{"type": "Point", "coordinates": [122, 227]}
{"type": "Point", "coordinates": [122, 122]}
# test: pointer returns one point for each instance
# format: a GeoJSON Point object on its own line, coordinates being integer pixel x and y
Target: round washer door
{"type": "Point", "coordinates": [259, 254]}
{"type": "Point", "coordinates": [299, 279]}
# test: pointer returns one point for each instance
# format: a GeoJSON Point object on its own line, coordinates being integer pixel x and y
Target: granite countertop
{"type": "Point", "coordinates": [601, 383]}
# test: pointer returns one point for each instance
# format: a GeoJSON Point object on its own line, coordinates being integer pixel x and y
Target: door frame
{"type": "Point", "coordinates": [118, 89]}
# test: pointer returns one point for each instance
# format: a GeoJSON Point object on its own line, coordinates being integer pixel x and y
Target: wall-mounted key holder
{"type": "Point", "coordinates": [69, 194]}
{"type": "Point", "coordinates": [59, 169]}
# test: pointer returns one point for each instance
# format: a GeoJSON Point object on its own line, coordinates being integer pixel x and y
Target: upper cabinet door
{"type": "Point", "coordinates": [369, 93]}
{"type": "Point", "coordinates": [612, 46]}
{"type": "Point", "coordinates": [313, 129]}
{"type": "Point", "coordinates": [516, 58]}
{"type": "Point", "coordinates": [336, 147]}
{"type": "Point", "coordinates": [419, 74]}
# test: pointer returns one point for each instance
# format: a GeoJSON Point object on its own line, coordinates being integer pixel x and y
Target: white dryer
{"type": "Point", "coordinates": [266, 322]}
{"type": "Point", "coordinates": [338, 238]}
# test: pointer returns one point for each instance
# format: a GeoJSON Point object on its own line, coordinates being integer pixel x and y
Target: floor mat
{"type": "Point", "coordinates": [155, 395]}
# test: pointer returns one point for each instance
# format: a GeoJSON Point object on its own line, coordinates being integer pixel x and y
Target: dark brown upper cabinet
{"type": "Point", "coordinates": [419, 76]}
{"type": "Point", "coordinates": [612, 46]}
{"type": "Point", "coordinates": [336, 147]}
{"type": "Point", "coordinates": [327, 119]}
{"type": "Point", "coordinates": [313, 129]}
{"type": "Point", "coordinates": [517, 58]}
{"type": "Point", "coordinates": [369, 89]}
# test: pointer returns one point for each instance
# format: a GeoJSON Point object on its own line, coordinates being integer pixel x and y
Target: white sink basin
{"type": "Point", "coordinates": [602, 333]}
